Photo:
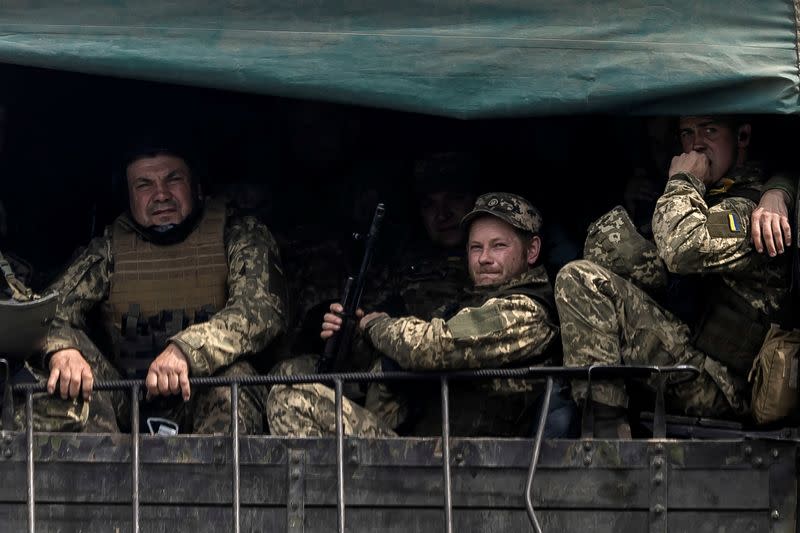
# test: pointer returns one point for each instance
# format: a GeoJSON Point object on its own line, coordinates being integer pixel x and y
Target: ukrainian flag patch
{"type": "Point", "coordinates": [734, 223]}
{"type": "Point", "coordinates": [725, 224]}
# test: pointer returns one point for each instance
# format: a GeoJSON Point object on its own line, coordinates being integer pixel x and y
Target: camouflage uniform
{"type": "Point", "coordinates": [418, 288]}
{"type": "Point", "coordinates": [492, 327]}
{"type": "Point", "coordinates": [253, 315]}
{"type": "Point", "coordinates": [607, 319]}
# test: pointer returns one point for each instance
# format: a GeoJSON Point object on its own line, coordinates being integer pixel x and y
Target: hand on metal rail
{"type": "Point", "coordinates": [169, 374]}
{"type": "Point", "coordinates": [71, 373]}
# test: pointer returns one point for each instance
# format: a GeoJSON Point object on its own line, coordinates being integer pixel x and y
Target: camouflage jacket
{"type": "Point", "coordinates": [254, 313]}
{"type": "Point", "coordinates": [501, 330]}
{"type": "Point", "coordinates": [708, 233]}
{"type": "Point", "coordinates": [693, 238]}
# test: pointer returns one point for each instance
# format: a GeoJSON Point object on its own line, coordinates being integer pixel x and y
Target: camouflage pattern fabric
{"type": "Point", "coordinates": [309, 410]}
{"type": "Point", "coordinates": [508, 207]}
{"type": "Point", "coordinates": [612, 241]}
{"type": "Point", "coordinates": [253, 316]}
{"type": "Point", "coordinates": [208, 411]}
{"type": "Point", "coordinates": [51, 413]}
{"type": "Point", "coordinates": [607, 319]}
{"type": "Point", "coordinates": [499, 331]}
{"type": "Point", "coordinates": [693, 238]}
{"type": "Point", "coordinates": [99, 415]}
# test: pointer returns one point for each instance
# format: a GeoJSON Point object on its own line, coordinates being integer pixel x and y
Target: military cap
{"type": "Point", "coordinates": [508, 207]}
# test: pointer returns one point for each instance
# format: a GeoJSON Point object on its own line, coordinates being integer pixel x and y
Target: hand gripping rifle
{"type": "Point", "coordinates": [337, 348]}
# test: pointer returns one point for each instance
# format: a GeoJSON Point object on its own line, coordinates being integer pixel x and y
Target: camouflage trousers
{"type": "Point", "coordinates": [208, 410]}
{"type": "Point", "coordinates": [606, 319]}
{"type": "Point", "coordinates": [309, 410]}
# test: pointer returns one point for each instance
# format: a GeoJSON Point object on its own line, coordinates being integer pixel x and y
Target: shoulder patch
{"type": "Point", "coordinates": [725, 224]}
{"type": "Point", "coordinates": [477, 322]}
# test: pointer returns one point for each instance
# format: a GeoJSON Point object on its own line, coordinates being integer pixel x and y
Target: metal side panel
{"type": "Point", "coordinates": [82, 483]}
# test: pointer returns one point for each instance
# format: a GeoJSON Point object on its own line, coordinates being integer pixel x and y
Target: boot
{"type": "Point", "coordinates": [611, 422]}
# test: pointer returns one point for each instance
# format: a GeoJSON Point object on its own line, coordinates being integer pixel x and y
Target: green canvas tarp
{"type": "Point", "coordinates": [467, 58]}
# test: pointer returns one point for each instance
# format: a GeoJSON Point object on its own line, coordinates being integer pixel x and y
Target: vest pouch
{"type": "Point", "coordinates": [774, 376]}
{"type": "Point", "coordinates": [731, 331]}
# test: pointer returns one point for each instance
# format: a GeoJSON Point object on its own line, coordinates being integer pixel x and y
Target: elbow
{"type": "Point", "coordinates": [679, 263]}
{"type": "Point", "coordinates": [677, 256]}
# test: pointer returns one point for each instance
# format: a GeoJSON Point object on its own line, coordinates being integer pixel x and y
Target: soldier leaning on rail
{"type": "Point", "coordinates": [721, 295]}
{"type": "Point", "coordinates": [182, 289]}
{"type": "Point", "coordinates": [508, 318]}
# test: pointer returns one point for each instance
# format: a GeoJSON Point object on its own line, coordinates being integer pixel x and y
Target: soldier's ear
{"type": "Point", "coordinates": [534, 249]}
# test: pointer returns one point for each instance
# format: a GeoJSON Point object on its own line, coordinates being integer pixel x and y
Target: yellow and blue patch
{"type": "Point", "coordinates": [725, 224]}
{"type": "Point", "coordinates": [734, 223]}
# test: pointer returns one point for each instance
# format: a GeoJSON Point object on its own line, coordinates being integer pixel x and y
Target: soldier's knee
{"type": "Point", "coordinates": [277, 400]}
{"type": "Point", "coordinates": [283, 413]}
{"type": "Point", "coordinates": [239, 368]}
{"type": "Point", "coordinates": [304, 364]}
{"type": "Point", "coordinates": [572, 277]}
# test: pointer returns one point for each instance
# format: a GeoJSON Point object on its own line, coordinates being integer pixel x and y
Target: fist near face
{"type": "Point", "coordinates": [694, 163]}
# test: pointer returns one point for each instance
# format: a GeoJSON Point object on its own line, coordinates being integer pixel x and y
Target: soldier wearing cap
{"type": "Point", "coordinates": [507, 318]}
{"type": "Point", "coordinates": [183, 287]}
{"type": "Point", "coordinates": [719, 295]}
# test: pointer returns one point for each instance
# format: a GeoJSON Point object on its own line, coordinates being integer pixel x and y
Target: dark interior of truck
{"type": "Point", "coordinates": [312, 167]}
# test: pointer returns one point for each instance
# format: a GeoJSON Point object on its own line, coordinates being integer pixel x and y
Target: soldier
{"type": "Point", "coordinates": [416, 279]}
{"type": "Point", "coordinates": [701, 230]}
{"type": "Point", "coordinates": [183, 289]}
{"type": "Point", "coordinates": [432, 272]}
{"type": "Point", "coordinates": [507, 319]}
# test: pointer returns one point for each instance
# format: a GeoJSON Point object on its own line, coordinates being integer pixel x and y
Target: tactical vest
{"type": "Point", "coordinates": [157, 291]}
{"type": "Point", "coordinates": [729, 329]}
{"type": "Point", "coordinates": [425, 284]}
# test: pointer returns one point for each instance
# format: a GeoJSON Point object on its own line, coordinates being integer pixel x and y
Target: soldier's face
{"type": "Point", "coordinates": [724, 147]}
{"type": "Point", "coordinates": [160, 190]}
{"type": "Point", "coordinates": [442, 213]}
{"type": "Point", "coordinates": [495, 253]}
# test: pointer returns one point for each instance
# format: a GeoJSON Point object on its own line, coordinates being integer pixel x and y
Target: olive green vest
{"type": "Point", "coordinates": [156, 291]}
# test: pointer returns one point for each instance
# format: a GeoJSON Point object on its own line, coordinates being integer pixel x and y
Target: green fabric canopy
{"type": "Point", "coordinates": [467, 58]}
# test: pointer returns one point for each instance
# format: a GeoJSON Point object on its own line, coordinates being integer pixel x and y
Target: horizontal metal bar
{"type": "Point", "coordinates": [532, 372]}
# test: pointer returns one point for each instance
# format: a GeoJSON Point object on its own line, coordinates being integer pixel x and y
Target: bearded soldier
{"type": "Point", "coordinates": [182, 289]}
{"type": "Point", "coordinates": [721, 297]}
{"type": "Point", "coordinates": [508, 318]}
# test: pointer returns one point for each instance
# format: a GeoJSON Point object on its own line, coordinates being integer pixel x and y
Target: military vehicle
{"type": "Point", "coordinates": [518, 74]}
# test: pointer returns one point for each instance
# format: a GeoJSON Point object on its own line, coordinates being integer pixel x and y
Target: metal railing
{"type": "Point", "coordinates": [337, 380]}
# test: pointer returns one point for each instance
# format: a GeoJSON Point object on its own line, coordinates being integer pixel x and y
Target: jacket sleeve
{"type": "Point", "coordinates": [501, 331]}
{"type": "Point", "coordinates": [693, 238]}
{"type": "Point", "coordinates": [785, 182]}
{"type": "Point", "coordinates": [255, 312]}
{"type": "Point", "coordinates": [82, 286]}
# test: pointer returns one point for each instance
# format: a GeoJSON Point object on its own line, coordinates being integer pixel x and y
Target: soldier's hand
{"type": "Point", "coordinates": [693, 163]}
{"type": "Point", "coordinates": [169, 374]}
{"type": "Point", "coordinates": [770, 226]}
{"type": "Point", "coordinates": [70, 371]}
{"type": "Point", "coordinates": [332, 321]}
{"type": "Point", "coordinates": [362, 325]}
